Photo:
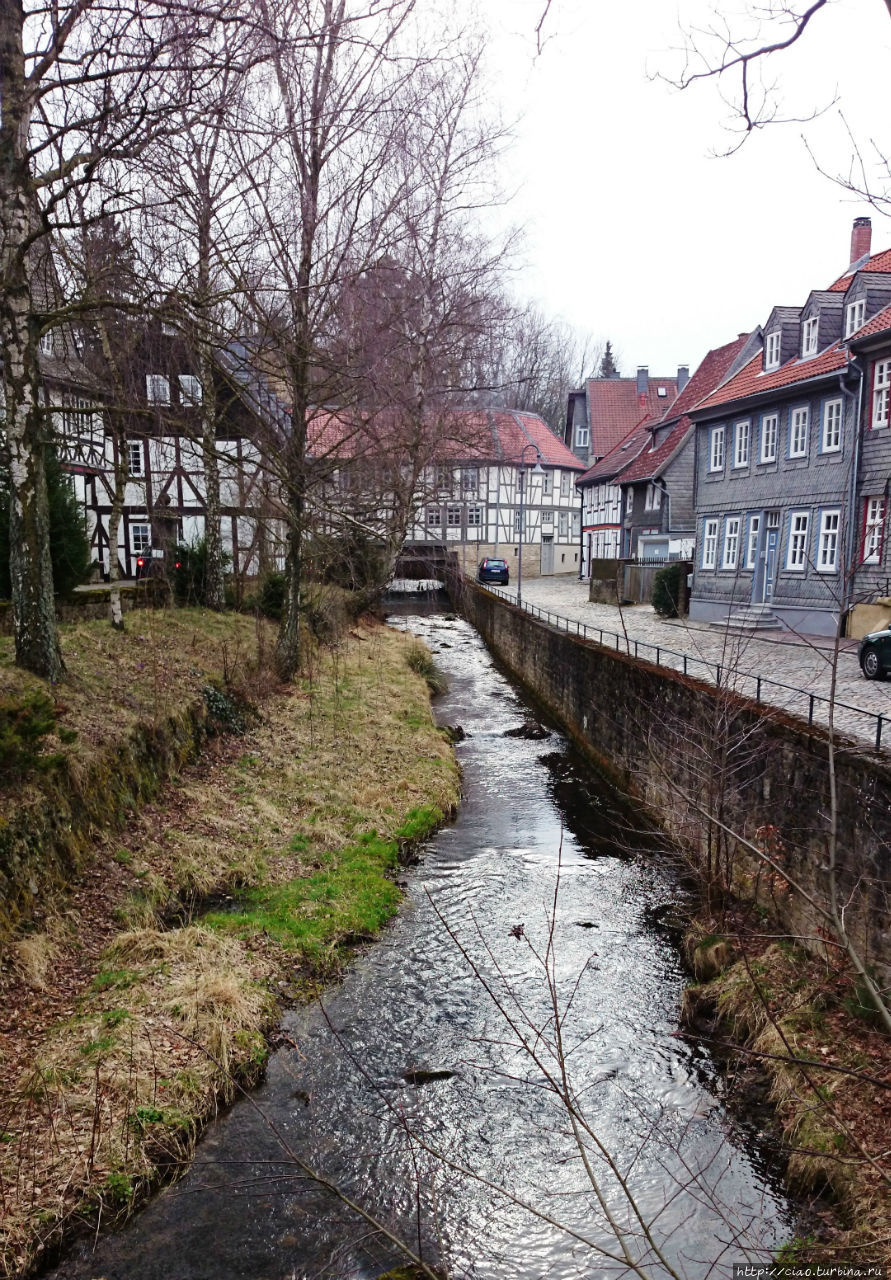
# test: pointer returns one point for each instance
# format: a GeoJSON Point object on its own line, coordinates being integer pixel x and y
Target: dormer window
{"type": "Point", "coordinates": [809, 334]}
{"type": "Point", "coordinates": [189, 389]}
{"type": "Point", "coordinates": [772, 350]}
{"type": "Point", "coordinates": [45, 343]}
{"type": "Point", "coordinates": [854, 316]}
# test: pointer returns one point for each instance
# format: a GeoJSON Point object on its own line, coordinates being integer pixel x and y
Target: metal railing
{"type": "Point", "coordinates": [688, 661]}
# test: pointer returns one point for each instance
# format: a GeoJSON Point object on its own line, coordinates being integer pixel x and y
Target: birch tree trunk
{"type": "Point", "coordinates": [26, 430]}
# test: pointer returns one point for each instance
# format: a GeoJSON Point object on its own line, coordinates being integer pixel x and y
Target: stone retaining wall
{"type": "Point", "coordinates": [687, 750]}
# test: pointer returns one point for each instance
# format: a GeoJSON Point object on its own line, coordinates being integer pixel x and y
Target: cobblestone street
{"type": "Point", "coordinates": [805, 663]}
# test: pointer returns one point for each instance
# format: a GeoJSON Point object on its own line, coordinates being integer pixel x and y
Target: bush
{"type": "Point", "coordinates": [69, 546]}
{"type": "Point", "coordinates": [668, 587]}
{"type": "Point", "coordinates": [271, 595]}
{"type": "Point", "coordinates": [24, 723]}
{"type": "Point", "coordinates": [188, 577]}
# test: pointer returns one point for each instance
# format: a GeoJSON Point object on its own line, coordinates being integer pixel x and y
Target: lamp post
{"type": "Point", "coordinates": [537, 470]}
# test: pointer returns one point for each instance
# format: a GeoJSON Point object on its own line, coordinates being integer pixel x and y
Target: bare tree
{"type": "Point", "coordinates": [83, 85]}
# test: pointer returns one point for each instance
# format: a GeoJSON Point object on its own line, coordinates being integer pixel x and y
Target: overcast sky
{"type": "Point", "coordinates": [634, 230]}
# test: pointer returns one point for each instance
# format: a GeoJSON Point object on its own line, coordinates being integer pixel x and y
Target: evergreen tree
{"type": "Point", "coordinates": [69, 545]}
{"type": "Point", "coordinates": [608, 366]}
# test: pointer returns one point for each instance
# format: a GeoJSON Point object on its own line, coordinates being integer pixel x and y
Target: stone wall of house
{"type": "Point", "coordinates": [684, 749]}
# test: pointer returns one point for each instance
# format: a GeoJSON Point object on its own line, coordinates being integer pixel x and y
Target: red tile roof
{"type": "Point", "coordinates": [620, 455]}
{"type": "Point", "coordinates": [879, 262]}
{"type": "Point", "coordinates": [614, 408]}
{"type": "Point", "coordinates": [645, 463]}
{"type": "Point", "coordinates": [750, 380]}
{"type": "Point", "coordinates": [496, 435]}
{"type": "Point", "coordinates": [649, 463]}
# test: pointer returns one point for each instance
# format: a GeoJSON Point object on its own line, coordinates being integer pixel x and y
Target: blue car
{"type": "Point", "coordinates": [492, 570]}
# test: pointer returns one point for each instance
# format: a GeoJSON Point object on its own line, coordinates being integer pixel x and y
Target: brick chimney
{"type": "Point", "coordinates": [643, 381]}
{"type": "Point", "coordinates": [861, 238]}
{"type": "Point", "coordinates": [683, 376]}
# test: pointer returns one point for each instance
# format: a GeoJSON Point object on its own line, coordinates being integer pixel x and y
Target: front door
{"type": "Point", "coordinates": [768, 558]}
{"type": "Point", "coordinates": [547, 553]}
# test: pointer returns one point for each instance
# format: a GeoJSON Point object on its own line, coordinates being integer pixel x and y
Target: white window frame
{"type": "Point", "coordinates": [190, 389]}
{"type": "Point", "coordinates": [881, 383]}
{"type": "Point", "coordinates": [827, 540]}
{"type": "Point", "coordinates": [157, 388]}
{"type": "Point", "coordinates": [832, 427]}
{"type": "Point", "coordinates": [716, 449]}
{"type": "Point", "coordinates": [855, 313]}
{"type": "Point", "coordinates": [629, 501]}
{"type": "Point", "coordinates": [565, 484]}
{"type": "Point", "coordinates": [653, 499]}
{"type": "Point", "coordinates": [453, 516]}
{"type": "Point", "coordinates": [772, 348]}
{"type": "Point", "coordinates": [742, 435]}
{"type": "Point", "coordinates": [799, 427]}
{"type": "Point", "coordinates": [730, 551]}
{"type": "Point", "coordinates": [135, 458]}
{"type": "Point", "coordinates": [796, 550]}
{"type": "Point", "coordinates": [563, 524]}
{"type": "Point", "coordinates": [710, 543]}
{"type": "Point", "coordinates": [582, 436]}
{"type": "Point", "coordinates": [770, 422]}
{"type": "Point", "coordinates": [475, 517]}
{"type": "Point", "coordinates": [873, 530]}
{"type": "Point", "coordinates": [754, 530]}
{"type": "Point", "coordinates": [140, 538]}
{"type": "Point", "coordinates": [434, 517]}
{"type": "Point", "coordinates": [470, 479]}
{"type": "Point", "coordinates": [810, 335]}
{"type": "Point", "coordinates": [519, 520]}
{"type": "Point", "coordinates": [547, 484]}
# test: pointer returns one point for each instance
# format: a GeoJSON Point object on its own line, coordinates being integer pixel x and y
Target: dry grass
{"type": "Point", "coordinates": [833, 1116]}
{"type": "Point", "coordinates": [138, 1058]}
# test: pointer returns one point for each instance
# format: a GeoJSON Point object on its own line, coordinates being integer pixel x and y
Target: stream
{"type": "Point", "coordinates": [528, 961]}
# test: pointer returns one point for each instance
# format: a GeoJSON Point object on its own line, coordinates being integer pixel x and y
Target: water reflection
{"type": "Point", "coordinates": [428, 1087]}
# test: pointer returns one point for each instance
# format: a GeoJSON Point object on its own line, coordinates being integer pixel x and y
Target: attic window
{"type": "Point", "coordinates": [772, 350]}
{"type": "Point", "coordinates": [662, 392]}
{"type": "Point", "coordinates": [854, 315]}
{"type": "Point", "coordinates": [809, 335]}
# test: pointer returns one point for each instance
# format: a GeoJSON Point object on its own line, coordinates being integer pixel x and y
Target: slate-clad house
{"type": "Point", "coordinates": [657, 517]}
{"type": "Point", "coordinates": [777, 455]}
{"type": "Point", "coordinates": [872, 554]}
{"type": "Point", "coordinates": [600, 414]}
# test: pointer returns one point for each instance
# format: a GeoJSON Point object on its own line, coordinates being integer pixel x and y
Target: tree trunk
{"type": "Point", "coordinates": [215, 591]}
{"type": "Point", "coordinates": [121, 475]}
{"type": "Point", "coordinates": [33, 606]}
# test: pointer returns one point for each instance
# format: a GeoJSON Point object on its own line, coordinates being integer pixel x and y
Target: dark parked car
{"type": "Point", "coordinates": [492, 570]}
{"type": "Point", "coordinates": [875, 655]}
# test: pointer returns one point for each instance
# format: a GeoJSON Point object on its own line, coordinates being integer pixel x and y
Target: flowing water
{"type": "Point", "coordinates": [528, 962]}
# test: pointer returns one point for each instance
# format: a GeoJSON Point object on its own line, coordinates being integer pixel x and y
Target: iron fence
{"type": "Point", "coordinates": [753, 685]}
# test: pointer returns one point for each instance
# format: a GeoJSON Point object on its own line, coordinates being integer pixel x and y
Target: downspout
{"type": "Point", "coordinates": [852, 483]}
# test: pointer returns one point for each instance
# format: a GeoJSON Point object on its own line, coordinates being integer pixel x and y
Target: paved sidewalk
{"type": "Point", "coordinates": [805, 663]}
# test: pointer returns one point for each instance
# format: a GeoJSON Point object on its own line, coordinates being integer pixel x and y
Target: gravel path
{"type": "Point", "coordinates": [805, 663]}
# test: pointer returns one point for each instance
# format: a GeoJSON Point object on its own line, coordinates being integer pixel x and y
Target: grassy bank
{"type": "Point", "coordinates": [132, 1010]}
{"type": "Point", "coordinates": [802, 1027]}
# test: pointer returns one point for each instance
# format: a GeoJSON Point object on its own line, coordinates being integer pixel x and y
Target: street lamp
{"type": "Point", "coordinates": [537, 470]}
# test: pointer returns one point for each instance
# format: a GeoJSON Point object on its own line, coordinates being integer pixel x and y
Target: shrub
{"type": "Point", "coordinates": [271, 595]}
{"type": "Point", "coordinates": [69, 544]}
{"type": "Point", "coordinates": [188, 576]}
{"type": "Point", "coordinates": [24, 723]}
{"type": "Point", "coordinates": [668, 586]}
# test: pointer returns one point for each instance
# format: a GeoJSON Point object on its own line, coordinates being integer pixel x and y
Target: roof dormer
{"type": "Point", "coordinates": [781, 337]}
{"type": "Point", "coordinates": [821, 322]}
{"type": "Point", "coordinates": [867, 294]}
